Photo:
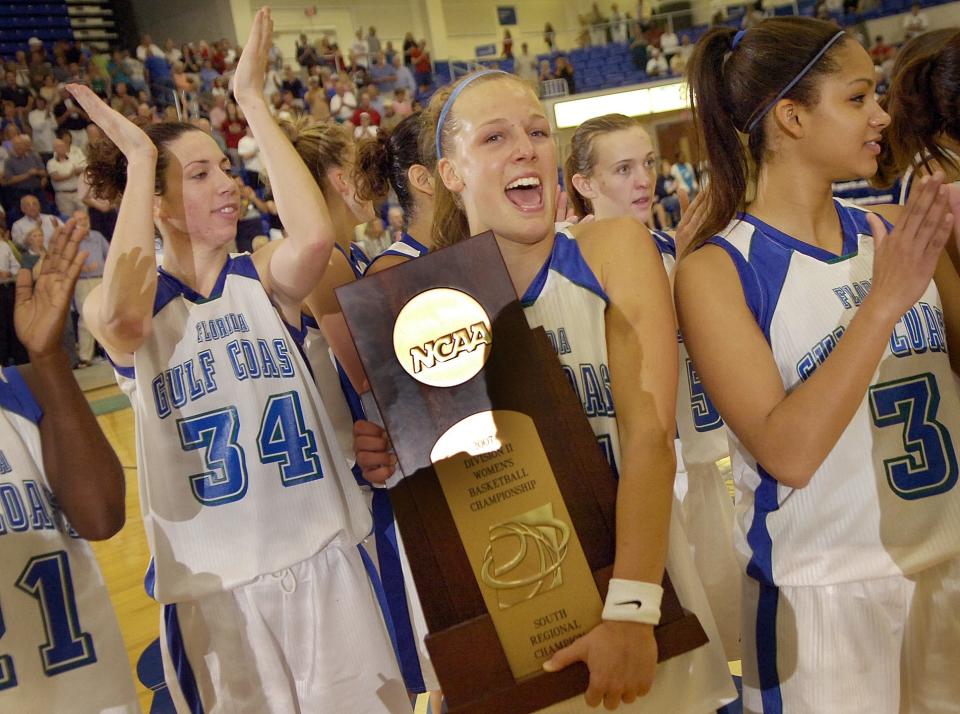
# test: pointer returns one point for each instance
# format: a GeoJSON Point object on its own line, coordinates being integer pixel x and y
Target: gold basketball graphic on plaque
{"type": "Point", "coordinates": [442, 337]}
{"type": "Point", "coordinates": [524, 556]}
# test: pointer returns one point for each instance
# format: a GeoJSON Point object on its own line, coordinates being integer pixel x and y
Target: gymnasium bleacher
{"type": "Point", "coordinates": [89, 21]}
{"type": "Point", "coordinates": [610, 65]}
{"type": "Point", "coordinates": [20, 20]}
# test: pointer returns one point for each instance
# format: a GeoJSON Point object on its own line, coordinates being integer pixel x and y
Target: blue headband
{"type": "Point", "coordinates": [736, 39]}
{"type": "Point", "coordinates": [448, 105]}
{"type": "Point", "coordinates": [793, 82]}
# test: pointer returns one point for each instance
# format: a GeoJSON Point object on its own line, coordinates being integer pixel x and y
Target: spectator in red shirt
{"type": "Point", "coordinates": [422, 68]}
{"type": "Point", "coordinates": [365, 108]}
{"type": "Point", "coordinates": [881, 51]}
{"type": "Point", "coordinates": [233, 128]}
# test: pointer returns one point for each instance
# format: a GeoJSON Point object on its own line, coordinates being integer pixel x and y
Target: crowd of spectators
{"type": "Point", "coordinates": [43, 132]}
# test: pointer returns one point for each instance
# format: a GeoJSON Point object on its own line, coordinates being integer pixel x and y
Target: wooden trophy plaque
{"type": "Point", "coordinates": [507, 508]}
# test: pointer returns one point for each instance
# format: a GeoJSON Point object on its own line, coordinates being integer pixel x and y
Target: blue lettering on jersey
{"type": "Point", "coordinates": [11, 506]}
{"type": "Point", "coordinates": [559, 341]}
{"type": "Point", "coordinates": [852, 295]}
{"type": "Point", "coordinates": [5, 467]}
{"type": "Point", "coordinates": [818, 354]}
{"type": "Point", "coordinates": [920, 329]}
{"type": "Point", "coordinates": [220, 327]}
{"type": "Point", "coordinates": [29, 506]}
{"type": "Point", "coordinates": [606, 444]}
{"type": "Point", "coordinates": [182, 383]}
{"type": "Point", "coordinates": [39, 517]}
{"type": "Point", "coordinates": [597, 398]}
{"type": "Point", "coordinates": [262, 359]}
{"type": "Point", "coordinates": [705, 415]}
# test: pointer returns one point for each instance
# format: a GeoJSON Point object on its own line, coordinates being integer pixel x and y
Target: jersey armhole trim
{"type": "Point", "coordinates": [749, 281]}
{"type": "Point", "coordinates": [16, 397]}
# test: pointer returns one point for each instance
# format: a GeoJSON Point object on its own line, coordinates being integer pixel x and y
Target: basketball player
{"type": "Point", "coordinates": [497, 156]}
{"type": "Point", "coordinates": [252, 517]}
{"type": "Point", "coordinates": [611, 172]}
{"type": "Point", "coordinates": [331, 154]}
{"type": "Point", "coordinates": [400, 161]}
{"type": "Point", "coordinates": [60, 485]}
{"type": "Point", "coordinates": [823, 342]}
{"type": "Point", "coordinates": [924, 131]}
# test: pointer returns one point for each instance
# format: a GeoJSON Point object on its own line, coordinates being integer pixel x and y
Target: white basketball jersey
{"type": "Point", "coordinates": [60, 646]}
{"type": "Point", "coordinates": [240, 470]}
{"type": "Point", "coordinates": [568, 301]}
{"type": "Point", "coordinates": [326, 375]}
{"type": "Point", "coordinates": [703, 436]}
{"type": "Point", "coordinates": [884, 502]}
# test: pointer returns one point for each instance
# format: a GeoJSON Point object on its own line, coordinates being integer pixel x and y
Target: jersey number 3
{"type": "Point", "coordinates": [283, 439]}
{"type": "Point", "coordinates": [47, 580]}
{"type": "Point", "coordinates": [929, 466]}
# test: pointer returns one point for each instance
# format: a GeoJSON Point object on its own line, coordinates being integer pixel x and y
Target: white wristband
{"type": "Point", "coordinates": [633, 601]}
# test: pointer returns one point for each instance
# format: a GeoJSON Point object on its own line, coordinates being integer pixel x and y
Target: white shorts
{"type": "Point", "coordinates": [707, 516]}
{"type": "Point", "coordinates": [389, 570]}
{"type": "Point", "coordinates": [880, 646]}
{"type": "Point", "coordinates": [308, 639]}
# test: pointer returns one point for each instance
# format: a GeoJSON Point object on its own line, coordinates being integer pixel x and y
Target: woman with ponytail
{"type": "Point", "coordinates": [821, 333]}
{"type": "Point", "coordinates": [611, 173]}
{"type": "Point", "coordinates": [496, 170]}
{"type": "Point", "coordinates": [252, 517]}
{"type": "Point", "coordinates": [401, 162]}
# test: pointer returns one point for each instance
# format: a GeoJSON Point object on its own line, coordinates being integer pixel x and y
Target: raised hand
{"type": "Point", "coordinates": [251, 71]}
{"type": "Point", "coordinates": [129, 138]}
{"type": "Point", "coordinates": [42, 304]}
{"type": "Point", "coordinates": [906, 258]}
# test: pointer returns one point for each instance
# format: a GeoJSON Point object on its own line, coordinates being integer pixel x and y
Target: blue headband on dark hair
{"type": "Point", "coordinates": [736, 39]}
{"type": "Point", "coordinates": [448, 105]}
{"type": "Point", "coordinates": [793, 83]}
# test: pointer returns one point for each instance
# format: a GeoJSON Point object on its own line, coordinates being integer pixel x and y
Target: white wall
{"type": "Point", "coordinates": [338, 19]}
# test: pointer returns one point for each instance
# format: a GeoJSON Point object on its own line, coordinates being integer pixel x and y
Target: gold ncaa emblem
{"type": "Point", "coordinates": [442, 337]}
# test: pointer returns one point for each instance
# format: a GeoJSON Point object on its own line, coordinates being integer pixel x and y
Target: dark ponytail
{"type": "Point", "coordinates": [106, 170]}
{"type": "Point", "coordinates": [923, 102]}
{"type": "Point", "coordinates": [731, 90]}
{"type": "Point", "coordinates": [383, 163]}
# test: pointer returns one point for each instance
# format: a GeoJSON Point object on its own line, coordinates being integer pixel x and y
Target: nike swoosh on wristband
{"type": "Point", "coordinates": [638, 603]}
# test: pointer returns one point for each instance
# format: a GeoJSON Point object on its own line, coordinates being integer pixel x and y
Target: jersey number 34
{"type": "Point", "coordinates": [282, 439]}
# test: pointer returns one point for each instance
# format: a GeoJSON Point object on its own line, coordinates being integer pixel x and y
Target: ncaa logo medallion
{"type": "Point", "coordinates": [442, 337]}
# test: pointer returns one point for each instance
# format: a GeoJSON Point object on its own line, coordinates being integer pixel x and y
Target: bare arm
{"type": "Point", "coordinates": [791, 434]}
{"type": "Point", "coordinates": [642, 353]}
{"type": "Point", "coordinates": [124, 301]}
{"type": "Point", "coordinates": [80, 465]}
{"type": "Point", "coordinates": [297, 265]}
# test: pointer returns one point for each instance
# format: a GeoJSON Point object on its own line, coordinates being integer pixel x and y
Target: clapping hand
{"type": "Point", "coordinates": [129, 138]}
{"type": "Point", "coordinates": [43, 304]}
{"type": "Point", "coordinates": [250, 77]}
